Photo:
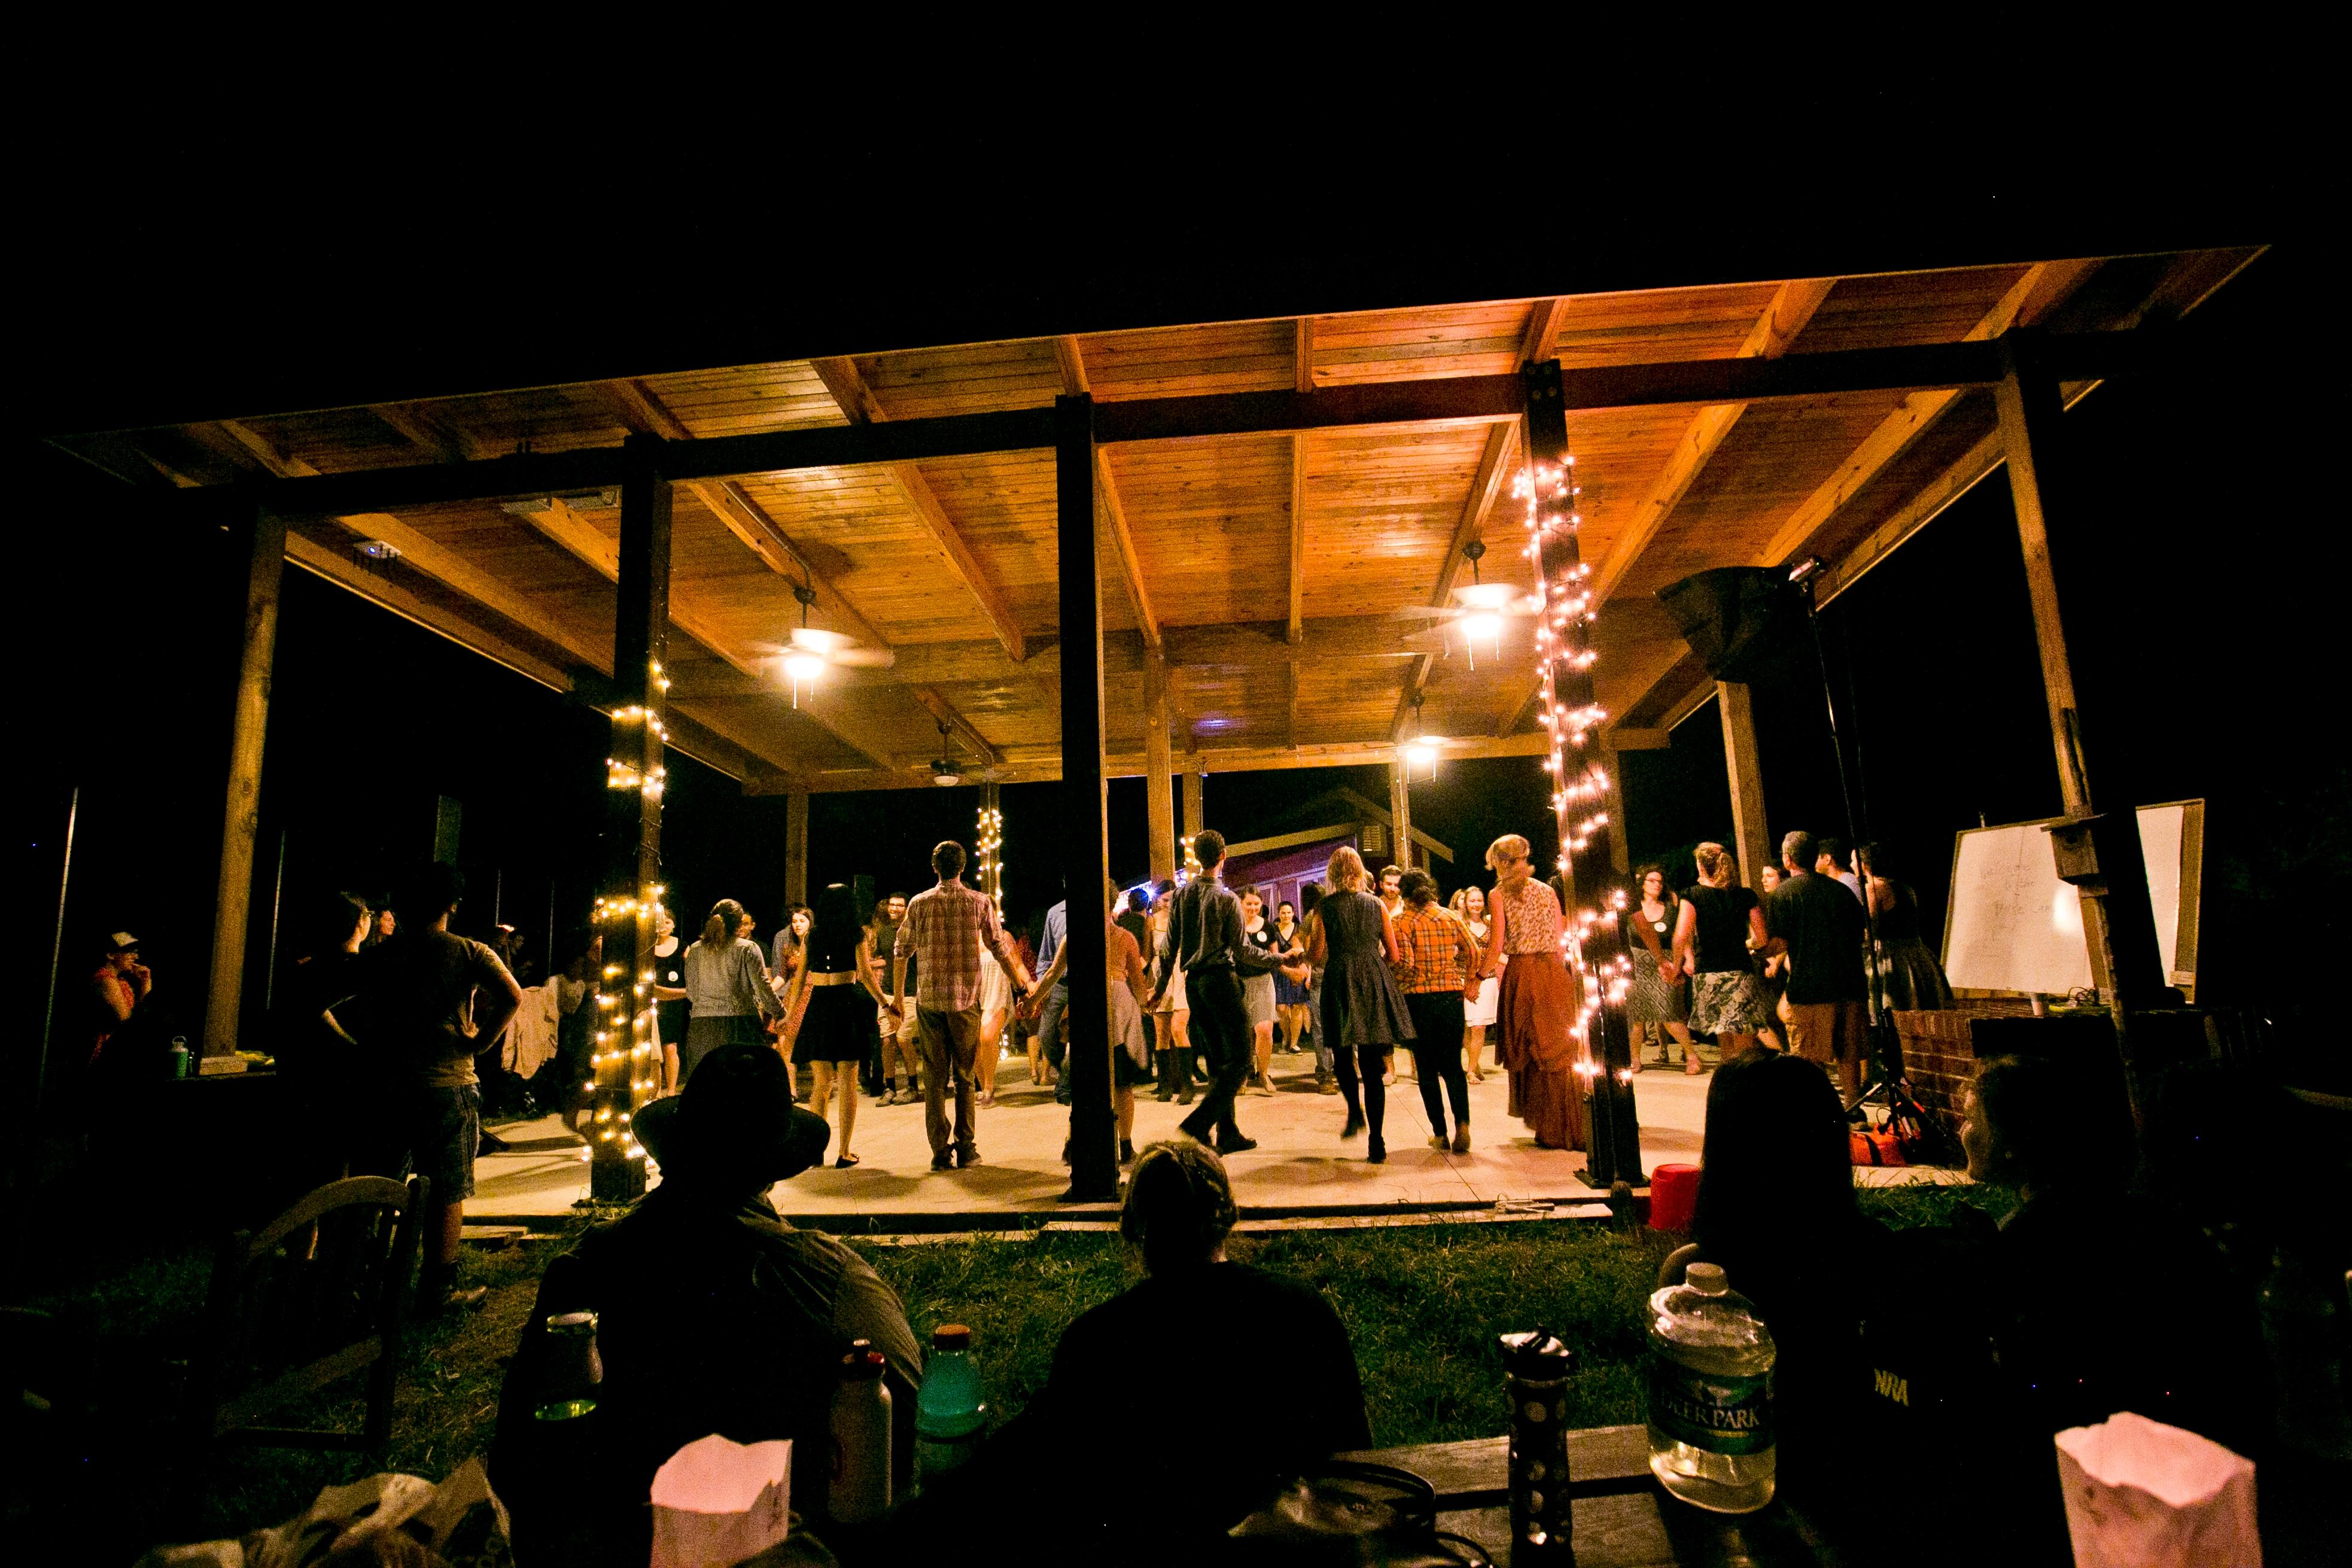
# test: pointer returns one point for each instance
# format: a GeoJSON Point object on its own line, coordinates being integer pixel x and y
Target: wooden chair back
{"type": "Point", "coordinates": [315, 1298]}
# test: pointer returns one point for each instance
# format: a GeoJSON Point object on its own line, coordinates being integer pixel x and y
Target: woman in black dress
{"type": "Point", "coordinates": [838, 1028]}
{"type": "Point", "coordinates": [1364, 1014]}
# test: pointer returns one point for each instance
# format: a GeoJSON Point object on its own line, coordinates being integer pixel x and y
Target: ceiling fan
{"type": "Point", "coordinates": [811, 649]}
{"type": "Point", "coordinates": [1477, 611]}
{"type": "Point", "coordinates": [946, 772]}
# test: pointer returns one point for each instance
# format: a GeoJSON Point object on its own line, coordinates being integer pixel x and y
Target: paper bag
{"type": "Point", "coordinates": [2140, 1494]}
{"type": "Point", "coordinates": [718, 1502]}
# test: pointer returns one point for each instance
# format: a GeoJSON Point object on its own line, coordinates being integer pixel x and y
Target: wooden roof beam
{"type": "Point", "coordinates": [1302, 353]}
{"type": "Point", "coordinates": [1039, 765]}
{"type": "Point", "coordinates": [858, 405]}
{"type": "Point", "coordinates": [1542, 340]}
{"type": "Point", "coordinates": [1298, 536]}
{"type": "Point", "coordinates": [1494, 470]}
{"type": "Point", "coordinates": [2041, 289]}
{"type": "Point", "coordinates": [945, 711]}
{"type": "Point", "coordinates": [643, 412]}
{"type": "Point", "coordinates": [1791, 307]}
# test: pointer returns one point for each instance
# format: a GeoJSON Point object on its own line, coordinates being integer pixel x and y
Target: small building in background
{"type": "Point", "coordinates": [1280, 864]}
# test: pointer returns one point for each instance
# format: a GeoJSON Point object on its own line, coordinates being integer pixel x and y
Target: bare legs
{"type": "Point", "coordinates": [821, 1090]}
{"type": "Point", "coordinates": [1293, 1020]}
{"type": "Point", "coordinates": [1264, 1045]}
{"type": "Point", "coordinates": [991, 1033]}
{"type": "Point", "coordinates": [1474, 1046]}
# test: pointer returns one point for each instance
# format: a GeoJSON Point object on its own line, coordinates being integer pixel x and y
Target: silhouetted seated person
{"type": "Point", "coordinates": [2101, 1301]}
{"type": "Point", "coordinates": [1156, 1439]}
{"type": "Point", "coordinates": [713, 1315]}
{"type": "Point", "coordinates": [1775, 1209]}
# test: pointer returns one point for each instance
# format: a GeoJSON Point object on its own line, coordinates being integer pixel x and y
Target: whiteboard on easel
{"type": "Point", "coordinates": [2013, 925]}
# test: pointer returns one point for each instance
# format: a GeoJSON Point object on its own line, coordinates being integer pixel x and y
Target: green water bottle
{"type": "Point", "coordinates": [571, 1370]}
{"type": "Point", "coordinates": [950, 1417]}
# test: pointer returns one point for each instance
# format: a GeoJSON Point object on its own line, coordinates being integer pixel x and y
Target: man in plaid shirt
{"type": "Point", "coordinates": [944, 930]}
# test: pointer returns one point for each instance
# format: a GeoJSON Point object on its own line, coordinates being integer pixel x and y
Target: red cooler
{"type": "Point", "coordinates": [1673, 1197]}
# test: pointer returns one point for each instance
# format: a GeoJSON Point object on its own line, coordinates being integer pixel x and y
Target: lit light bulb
{"type": "Point", "coordinates": [802, 669]}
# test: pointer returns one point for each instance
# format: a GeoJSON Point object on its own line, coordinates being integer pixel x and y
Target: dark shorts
{"type": "Point", "coordinates": [445, 1128]}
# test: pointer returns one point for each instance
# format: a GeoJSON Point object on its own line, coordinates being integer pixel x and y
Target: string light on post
{"type": "Point", "coordinates": [992, 855]}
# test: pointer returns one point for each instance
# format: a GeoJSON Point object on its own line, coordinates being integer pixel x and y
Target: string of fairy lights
{"type": "Point", "coordinates": [991, 856]}
{"type": "Point", "coordinates": [1566, 609]}
{"type": "Point", "coordinates": [623, 1063]}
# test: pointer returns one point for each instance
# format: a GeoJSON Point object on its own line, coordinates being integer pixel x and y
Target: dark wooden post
{"type": "Point", "coordinates": [1752, 842]}
{"type": "Point", "coordinates": [1580, 783]}
{"type": "Point", "coordinates": [796, 813]}
{"type": "Point", "coordinates": [636, 775]}
{"type": "Point", "coordinates": [2099, 853]}
{"type": "Point", "coordinates": [1400, 810]}
{"type": "Point", "coordinates": [1085, 852]}
{"type": "Point", "coordinates": [1158, 769]}
{"type": "Point", "coordinates": [265, 540]}
{"type": "Point", "coordinates": [1195, 778]}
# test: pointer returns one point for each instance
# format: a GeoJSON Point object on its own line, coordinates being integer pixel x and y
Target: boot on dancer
{"type": "Point", "coordinates": [1364, 1016]}
{"type": "Point", "coordinates": [1204, 942]}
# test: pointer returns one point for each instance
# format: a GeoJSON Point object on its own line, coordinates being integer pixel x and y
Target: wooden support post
{"type": "Point", "coordinates": [1621, 853]}
{"type": "Point", "coordinates": [2100, 857]}
{"type": "Point", "coordinates": [1401, 812]}
{"type": "Point", "coordinates": [1751, 840]}
{"type": "Point", "coordinates": [1085, 839]}
{"type": "Point", "coordinates": [1580, 785]}
{"type": "Point", "coordinates": [1159, 778]}
{"type": "Point", "coordinates": [992, 841]}
{"type": "Point", "coordinates": [240, 818]}
{"type": "Point", "coordinates": [624, 1069]}
{"type": "Point", "coordinates": [796, 826]}
{"type": "Point", "coordinates": [1195, 771]}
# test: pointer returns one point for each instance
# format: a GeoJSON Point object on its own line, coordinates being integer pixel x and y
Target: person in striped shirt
{"type": "Point", "coordinates": [946, 930]}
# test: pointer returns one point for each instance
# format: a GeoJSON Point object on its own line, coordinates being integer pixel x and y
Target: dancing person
{"type": "Point", "coordinates": [1364, 1014]}
{"type": "Point", "coordinates": [423, 1000]}
{"type": "Point", "coordinates": [1654, 1002]}
{"type": "Point", "coordinates": [1290, 995]}
{"type": "Point", "coordinates": [1437, 969]}
{"type": "Point", "coordinates": [669, 1015]}
{"type": "Point", "coordinates": [1909, 978]}
{"type": "Point", "coordinates": [995, 1016]}
{"type": "Point", "coordinates": [1831, 860]}
{"type": "Point", "coordinates": [1771, 968]}
{"type": "Point", "coordinates": [1257, 990]}
{"type": "Point", "coordinates": [1052, 1005]}
{"type": "Point", "coordinates": [563, 1082]}
{"type": "Point", "coordinates": [1131, 1059]}
{"type": "Point", "coordinates": [1535, 1018]}
{"type": "Point", "coordinates": [830, 996]}
{"type": "Point", "coordinates": [713, 1315]}
{"type": "Point", "coordinates": [1478, 1011]}
{"type": "Point", "coordinates": [336, 1098]}
{"type": "Point", "coordinates": [1393, 890]}
{"type": "Point", "coordinates": [948, 928]}
{"type": "Point", "coordinates": [1310, 974]}
{"type": "Point", "coordinates": [730, 1001]}
{"type": "Point", "coordinates": [1205, 946]}
{"type": "Point", "coordinates": [1172, 1017]}
{"type": "Point", "coordinates": [1715, 938]}
{"type": "Point", "coordinates": [1820, 930]}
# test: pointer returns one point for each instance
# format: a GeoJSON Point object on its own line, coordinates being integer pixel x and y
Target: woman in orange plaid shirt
{"type": "Point", "coordinates": [1437, 970]}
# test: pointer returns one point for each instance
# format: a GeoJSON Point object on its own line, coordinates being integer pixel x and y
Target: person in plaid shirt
{"type": "Point", "coordinates": [944, 931]}
{"type": "Point", "coordinates": [1437, 970]}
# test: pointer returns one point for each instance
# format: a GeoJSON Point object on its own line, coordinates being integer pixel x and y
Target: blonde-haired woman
{"type": "Point", "coordinates": [1477, 1017]}
{"type": "Point", "coordinates": [1716, 939]}
{"type": "Point", "coordinates": [727, 984]}
{"type": "Point", "coordinates": [1364, 1016]}
{"type": "Point", "coordinates": [1535, 1016]}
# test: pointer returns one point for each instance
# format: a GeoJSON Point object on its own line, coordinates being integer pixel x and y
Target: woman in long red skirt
{"type": "Point", "coordinates": [1535, 1016]}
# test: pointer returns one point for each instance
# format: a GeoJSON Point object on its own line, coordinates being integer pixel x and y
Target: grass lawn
{"type": "Point", "coordinates": [1423, 1304]}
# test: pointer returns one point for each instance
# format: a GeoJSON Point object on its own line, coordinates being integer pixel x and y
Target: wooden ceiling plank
{"type": "Point", "coordinates": [1036, 766]}
{"type": "Point", "coordinates": [1791, 307]}
{"type": "Point", "coordinates": [2039, 290]}
{"type": "Point", "coordinates": [1298, 536]}
{"type": "Point", "coordinates": [857, 403]}
{"type": "Point", "coordinates": [643, 412]}
{"type": "Point", "coordinates": [1112, 518]}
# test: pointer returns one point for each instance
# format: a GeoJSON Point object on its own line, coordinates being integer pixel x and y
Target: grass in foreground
{"type": "Point", "coordinates": [1423, 1304]}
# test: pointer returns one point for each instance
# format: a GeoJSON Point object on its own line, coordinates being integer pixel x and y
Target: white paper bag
{"type": "Point", "coordinates": [2140, 1494]}
{"type": "Point", "coordinates": [718, 1502]}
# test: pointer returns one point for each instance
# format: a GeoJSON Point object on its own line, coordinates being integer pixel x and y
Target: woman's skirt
{"type": "Point", "coordinates": [1536, 1042]}
{"type": "Point", "coordinates": [1258, 998]}
{"type": "Point", "coordinates": [836, 1025]}
{"type": "Point", "coordinates": [1172, 1001]}
{"type": "Point", "coordinates": [705, 1034]}
{"type": "Point", "coordinates": [1651, 999]}
{"type": "Point", "coordinates": [1291, 993]}
{"type": "Point", "coordinates": [1480, 1014]}
{"type": "Point", "coordinates": [996, 988]}
{"type": "Point", "coordinates": [1130, 1055]}
{"type": "Point", "coordinates": [1911, 977]}
{"type": "Point", "coordinates": [1728, 1001]}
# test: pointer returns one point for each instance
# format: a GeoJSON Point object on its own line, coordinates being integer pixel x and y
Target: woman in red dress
{"type": "Point", "coordinates": [1535, 1016]}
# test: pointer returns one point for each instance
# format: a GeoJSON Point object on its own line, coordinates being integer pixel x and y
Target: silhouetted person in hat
{"type": "Point", "coordinates": [713, 1315]}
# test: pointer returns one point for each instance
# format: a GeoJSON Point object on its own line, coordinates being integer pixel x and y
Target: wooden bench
{"type": "Point", "coordinates": [1622, 1517]}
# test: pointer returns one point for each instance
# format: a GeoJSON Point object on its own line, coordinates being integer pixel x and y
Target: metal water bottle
{"type": "Point", "coordinates": [858, 1490]}
{"type": "Point", "coordinates": [1537, 1366]}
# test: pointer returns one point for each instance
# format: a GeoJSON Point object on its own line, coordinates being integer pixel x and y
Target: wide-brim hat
{"type": "Point", "coordinates": [735, 1124]}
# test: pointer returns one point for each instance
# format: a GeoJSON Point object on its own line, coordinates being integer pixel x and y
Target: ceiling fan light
{"type": "Point", "coordinates": [945, 776]}
{"type": "Point", "coordinates": [1492, 598]}
{"type": "Point", "coordinates": [1484, 627]}
{"type": "Point", "coordinates": [1421, 753]}
{"type": "Point", "coordinates": [803, 668]}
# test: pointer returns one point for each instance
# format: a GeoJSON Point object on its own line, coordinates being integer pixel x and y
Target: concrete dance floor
{"type": "Point", "coordinates": [1299, 1168]}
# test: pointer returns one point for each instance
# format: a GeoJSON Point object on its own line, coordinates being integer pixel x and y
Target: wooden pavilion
{"type": "Point", "coordinates": [1167, 549]}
